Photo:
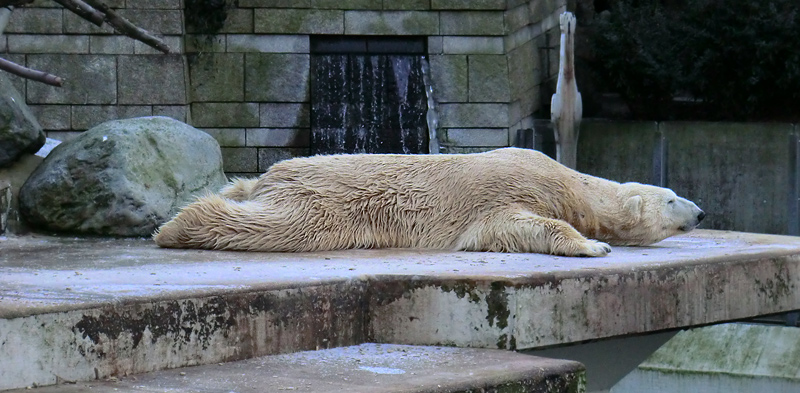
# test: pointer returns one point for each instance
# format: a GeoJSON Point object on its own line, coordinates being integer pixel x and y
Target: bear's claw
{"type": "Point", "coordinates": [594, 248]}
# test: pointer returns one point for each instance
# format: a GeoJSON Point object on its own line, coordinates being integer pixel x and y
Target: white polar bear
{"type": "Point", "coordinates": [506, 200]}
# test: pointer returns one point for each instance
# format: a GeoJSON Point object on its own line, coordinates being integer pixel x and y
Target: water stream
{"type": "Point", "coordinates": [365, 103]}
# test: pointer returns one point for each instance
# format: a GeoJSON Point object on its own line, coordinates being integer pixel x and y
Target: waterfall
{"type": "Point", "coordinates": [432, 115]}
{"type": "Point", "coordinates": [365, 103]}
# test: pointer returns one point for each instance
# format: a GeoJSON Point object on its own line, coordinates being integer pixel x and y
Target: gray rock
{"type": "Point", "coordinates": [20, 133]}
{"type": "Point", "coordinates": [122, 177]}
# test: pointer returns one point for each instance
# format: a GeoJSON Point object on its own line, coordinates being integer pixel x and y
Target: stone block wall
{"type": "Point", "coordinates": [248, 85]}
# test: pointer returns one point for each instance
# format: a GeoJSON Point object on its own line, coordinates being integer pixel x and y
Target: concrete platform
{"type": "Point", "coordinates": [83, 309]}
{"type": "Point", "coordinates": [367, 368]}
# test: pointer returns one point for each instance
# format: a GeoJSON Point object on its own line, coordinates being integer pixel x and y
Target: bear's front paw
{"type": "Point", "coordinates": [593, 248]}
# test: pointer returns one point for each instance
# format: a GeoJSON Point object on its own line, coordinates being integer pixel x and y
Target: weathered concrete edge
{"type": "Point", "coordinates": [82, 345]}
{"type": "Point", "coordinates": [563, 376]}
{"type": "Point", "coordinates": [485, 312]}
{"type": "Point", "coordinates": [498, 313]}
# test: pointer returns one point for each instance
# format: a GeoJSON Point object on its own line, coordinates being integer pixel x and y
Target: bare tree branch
{"type": "Point", "coordinates": [96, 12]}
{"type": "Point", "coordinates": [28, 73]}
{"type": "Point", "coordinates": [124, 26]}
{"type": "Point", "coordinates": [83, 10]}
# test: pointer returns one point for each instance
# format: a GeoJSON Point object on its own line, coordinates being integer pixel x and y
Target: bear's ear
{"type": "Point", "coordinates": [634, 206]}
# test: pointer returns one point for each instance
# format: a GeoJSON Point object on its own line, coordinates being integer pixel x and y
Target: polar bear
{"type": "Point", "coordinates": [506, 200]}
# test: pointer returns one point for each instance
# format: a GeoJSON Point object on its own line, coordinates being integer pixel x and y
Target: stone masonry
{"type": "Point", "coordinates": [248, 85]}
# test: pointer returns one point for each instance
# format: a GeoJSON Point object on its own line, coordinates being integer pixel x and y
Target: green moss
{"type": "Point", "coordinates": [497, 301]}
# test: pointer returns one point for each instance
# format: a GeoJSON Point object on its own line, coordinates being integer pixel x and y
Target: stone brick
{"type": "Point", "coordinates": [52, 117]}
{"type": "Point", "coordinates": [151, 79]}
{"type": "Point", "coordinates": [45, 4]}
{"type": "Point", "coordinates": [472, 23]}
{"type": "Point", "coordinates": [25, 43]}
{"type": "Point", "coordinates": [274, 3]}
{"type": "Point", "coordinates": [89, 79]}
{"type": "Point", "coordinates": [239, 159]}
{"type": "Point", "coordinates": [35, 21]}
{"type": "Point", "coordinates": [74, 24]}
{"type": "Point", "coordinates": [278, 137]}
{"type": "Point", "coordinates": [528, 103]}
{"type": "Point", "coordinates": [488, 78]}
{"type": "Point", "coordinates": [155, 21]}
{"type": "Point", "coordinates": [3, 44]}
{"type": "Point", "coordinates": [517, 38]}
{"type": "Point", "coordinates": [111, 44]}
{"type": "Point", "coordinates": [88, 116]}
{"type": "Point", "coordinates": [177, 112]}
{"type": "Point", "coordinates": [216, 77]}
{"type": "Point", "coordinates": [449, 74]}
{"type": "Point", "coordinates": [269, 156]}
{"type": "Point", "coordinates": [225, 115]}
{"type": "Point", "coordinates": [473, 115]}
{"type": "Point", "coordinates": [435, 45]}
{"type": "Point", "coordinates": [517, 17]}
{"type": "Point", "coordinates": [267, 43]}
{"type": "Point", "coordinates": [299, 21]}
{"type": "Point", "coordinates": [407, 5]}
{"type": "Point", "coordinates": [473, 45]}
{"type": "Point", "coordinates": [228, 137]}
{"type": "Point", "coordinates": [285, 115]}
{"type": "Point", "coordinates": [174, 42]}
{"type": "Point", "coordinates": [155, 4]}
{"type": "Point", "coordinates": [276, 77]}
{"type": "Point", "coordinates": [469, 4]}
{"type": "Point", "coordinates": [348, 4]}
{"type": "Point", "coordinates": [18, 82]}
{"type": "Point", "coordinates": [542, 9]}
{"type": "Point", "coordinates": [391, 22]}
{"type": "Point", "coordinates": [204, 43]}
{"type": "Point", "coordinates": [239, 20]}
{"type": "Point", "coordinates": [524, 69]}
{"type": "Point", "coordinates": [497, 137]}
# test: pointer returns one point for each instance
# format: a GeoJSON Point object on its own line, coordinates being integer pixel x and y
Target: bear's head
{"type": "Point", "coordinates": [652, 214]}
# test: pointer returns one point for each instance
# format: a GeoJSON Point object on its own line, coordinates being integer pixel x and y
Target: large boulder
{"type": "Point", "coordinates": [122, 177]}
{"type": "Point", "coordinates": [20, 133]}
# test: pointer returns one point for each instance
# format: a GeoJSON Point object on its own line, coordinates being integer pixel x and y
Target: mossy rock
{"type": "Point", "coordinates": [122, 178]}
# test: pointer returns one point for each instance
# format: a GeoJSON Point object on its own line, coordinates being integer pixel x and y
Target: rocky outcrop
{"type": "Point", "coordinates": [122, 178]}
{"type": "Point", "coordinates": [20, 133]}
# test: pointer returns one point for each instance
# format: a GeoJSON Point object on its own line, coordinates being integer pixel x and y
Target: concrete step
{"type": "Point", "coordinates": [86, 309]}
{"type": "Point", "coordinates": [368, 368]}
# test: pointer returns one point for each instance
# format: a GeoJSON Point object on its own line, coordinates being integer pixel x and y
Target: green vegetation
{"type": "Point", "coordinates": [722, 59]}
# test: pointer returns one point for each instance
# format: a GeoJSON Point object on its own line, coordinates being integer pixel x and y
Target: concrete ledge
{"type": "Point", "coordinates": [81, 309]}
{"type": "Point", "coordinates": [365, 368]}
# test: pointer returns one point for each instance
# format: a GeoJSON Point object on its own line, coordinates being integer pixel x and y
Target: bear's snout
{"type": "Point", "coordinates": [701, 216]}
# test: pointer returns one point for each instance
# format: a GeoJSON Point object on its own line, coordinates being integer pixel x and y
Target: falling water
{"type": "Point", "coordinates": [432, 115]}
{"type": "Point", "coordinates": [364, 103]}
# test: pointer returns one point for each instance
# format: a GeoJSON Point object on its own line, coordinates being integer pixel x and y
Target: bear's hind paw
{"type": "Point", "coordinates": [593, 248]}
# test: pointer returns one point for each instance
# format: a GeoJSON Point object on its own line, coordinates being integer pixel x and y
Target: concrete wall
{"type": "Point", "coordinates": [248, 85]}
{"type": "Point", "coordinates": [744, 175]}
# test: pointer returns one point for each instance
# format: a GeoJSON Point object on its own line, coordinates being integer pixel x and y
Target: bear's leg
{"type": "Point", "coordinates": [239, 189]}
{"type": "Point", "coordinates": [523, 231]}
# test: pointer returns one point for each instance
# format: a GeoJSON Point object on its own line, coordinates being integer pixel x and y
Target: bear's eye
{"type": "Point", "coordinates": [671, 201]}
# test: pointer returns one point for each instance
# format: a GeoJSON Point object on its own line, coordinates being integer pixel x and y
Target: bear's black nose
{"type": "Point", "coordinates": [701, 216]}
